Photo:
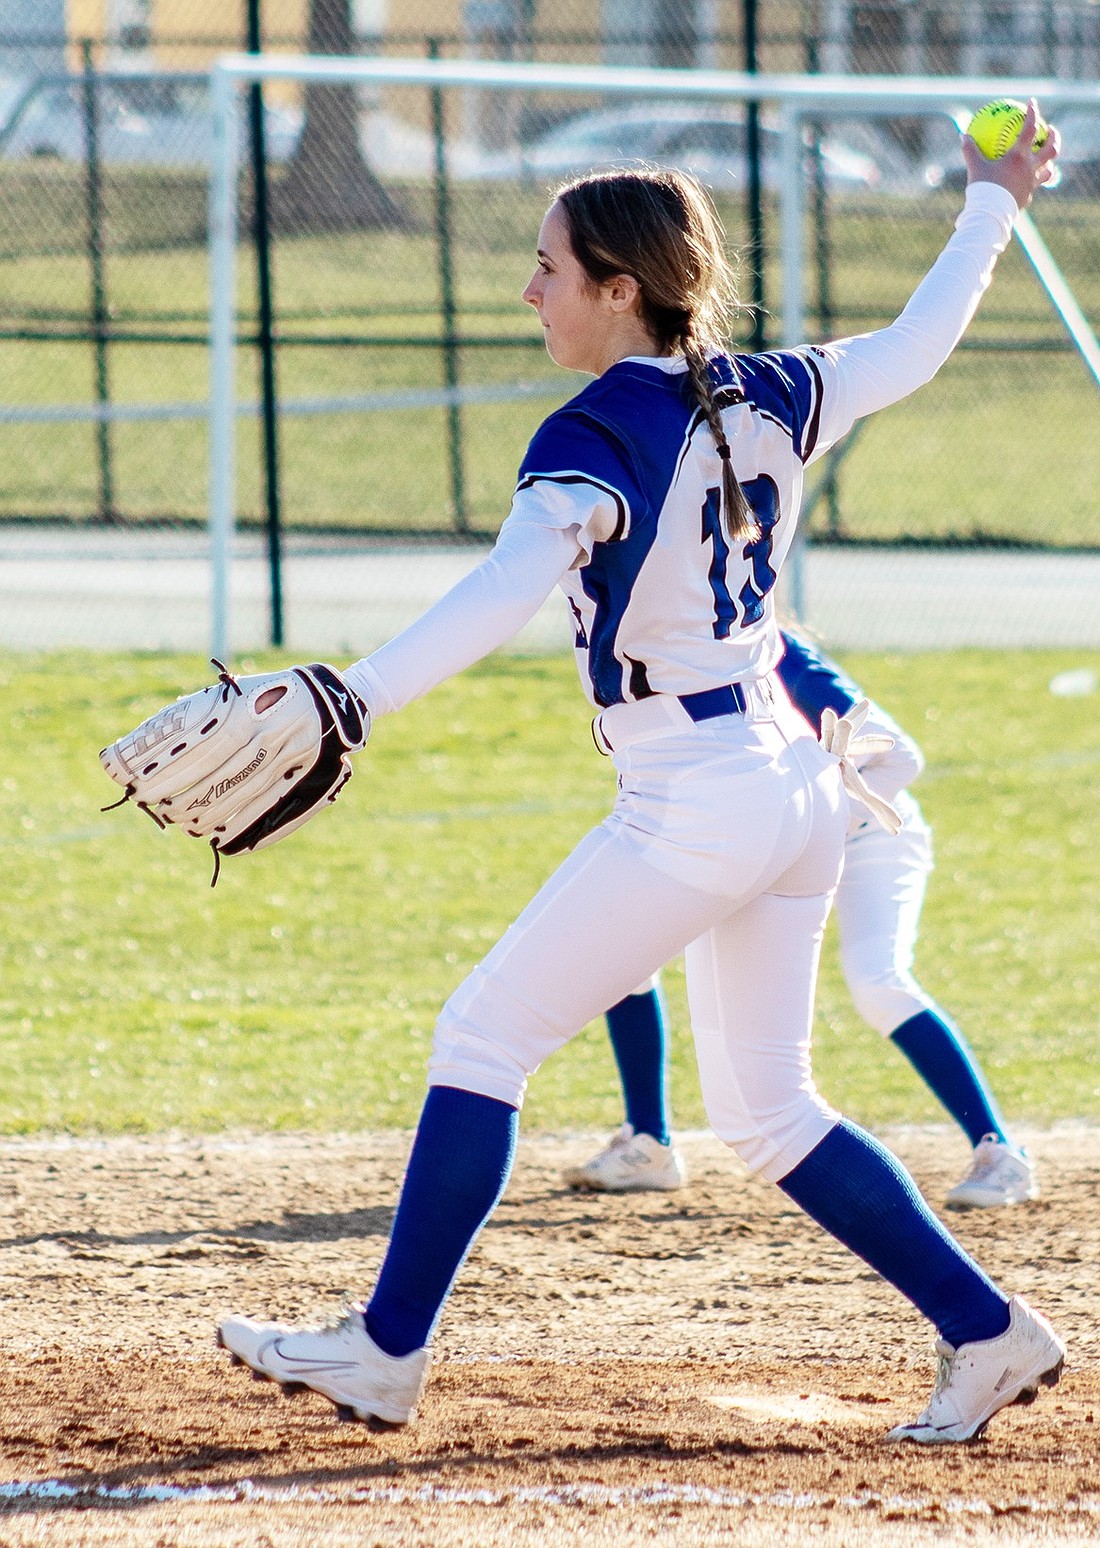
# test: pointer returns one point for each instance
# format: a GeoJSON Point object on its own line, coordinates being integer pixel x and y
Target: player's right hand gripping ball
{"type": "Point", "coordinates": [247, 760]}
{"type": "Point", "coordinates": [996, 127]}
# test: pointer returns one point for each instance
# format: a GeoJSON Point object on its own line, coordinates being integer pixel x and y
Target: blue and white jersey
{"type": "Point", "coordinates": [661, 602]}
{"type": "Point", "coordinates": [618, 501]}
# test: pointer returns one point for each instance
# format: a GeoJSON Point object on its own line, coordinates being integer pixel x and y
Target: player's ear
{"type": "Point", "coordinates": [624, 293]}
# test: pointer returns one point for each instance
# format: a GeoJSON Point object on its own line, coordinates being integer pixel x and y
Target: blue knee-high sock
{"type": "Point", "coordinates": [864, 1197]}
{"type": "Point", "coordinates": [639, 1040]}
{"type": "Point", "coordinates": [945, 1062]}
{"type": "Point", "coordinates": [460, 1162]}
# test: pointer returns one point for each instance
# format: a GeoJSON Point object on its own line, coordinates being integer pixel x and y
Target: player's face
{"type": "Point", "coordinates": [577, 319]}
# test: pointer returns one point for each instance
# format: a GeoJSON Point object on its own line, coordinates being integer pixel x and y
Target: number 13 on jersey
{"type": "Point", "coordinates": [763, 496]}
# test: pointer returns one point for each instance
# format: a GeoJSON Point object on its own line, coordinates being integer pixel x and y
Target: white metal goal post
{"type": "Point", "coordinates": [796, 98]}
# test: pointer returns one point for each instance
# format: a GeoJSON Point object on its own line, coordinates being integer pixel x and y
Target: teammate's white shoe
{"type": "Point", "coordinates": [976, 1380]}
{"type": "Point", "coordinates": [999, 1174]}
{"type": "Point", "coordinates": [630, 1162]}
{"type": "Point", "coordinates": [340, 1361]}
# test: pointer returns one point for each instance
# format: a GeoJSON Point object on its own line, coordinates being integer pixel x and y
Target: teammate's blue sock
{"type": "Point", "coordinates": [461, 1160]}
{"type": "Point", "coordinates": [945, 1062]}
{"type": "Point", "coordinates": [864, 1197]}
{"type": "Point", "coordinates": [639, 1040]}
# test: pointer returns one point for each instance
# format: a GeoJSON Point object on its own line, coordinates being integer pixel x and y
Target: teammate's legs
{"type": "Point", "coordinates": [949, 1068]}
{"type": "Point", "coordinates": [638, 1030]}
{"type": "Point", "coordinates": [750, 985]}
{"type": "Point", "coordinates": [878, 907]}
{"type": "Point", "coordinates": [639, 1156]}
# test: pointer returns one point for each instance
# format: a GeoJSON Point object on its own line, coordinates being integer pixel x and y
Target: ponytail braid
{"type": "Point", "coordinates": [741, 523]}
{"type": "Point", "coordinates": [661, 228]}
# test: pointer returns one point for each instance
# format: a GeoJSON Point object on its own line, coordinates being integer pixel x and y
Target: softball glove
{"type": "Point", "coordinates": [247, 760]}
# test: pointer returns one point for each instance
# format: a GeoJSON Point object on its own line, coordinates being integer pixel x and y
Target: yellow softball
{"type": "Point", "coordinates": [995, 128]}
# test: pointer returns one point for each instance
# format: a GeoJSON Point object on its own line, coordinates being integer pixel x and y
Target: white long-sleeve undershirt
{"type": "Point", "coordinates": [874, 370]}
{"type": "Point", "coordinates": [478, 614]}
{"type": "Point", "coordinates": [860, 375]}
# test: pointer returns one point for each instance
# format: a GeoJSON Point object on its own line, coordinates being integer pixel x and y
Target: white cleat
{"type": "Point", "coordinates": [630, 1163]}
{"type": "Point", "coordinates": [999, 1174]}
{"type": "Point", "coordinates": [341, 1362]}
{"type": "Point", "coordinates": [976, 1380]}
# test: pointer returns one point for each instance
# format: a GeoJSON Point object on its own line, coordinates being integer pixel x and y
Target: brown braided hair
{"type": "Point", "coordinates": [661, 228]}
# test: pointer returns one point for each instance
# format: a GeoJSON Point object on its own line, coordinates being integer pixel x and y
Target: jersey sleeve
{"type": "Point", "coordinates": [575, 489]}
{"type": "Point", "coordinates": [853, 377]}
{"type": "Point", "coordinates": [814, 681]}
{"type": "Point", "coordinates": [577, 475]}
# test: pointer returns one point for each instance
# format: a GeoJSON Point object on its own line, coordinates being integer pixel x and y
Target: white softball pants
{"type": "Point", "coordinates": [725, 841]}
{"type": "Point", "coordinates": [878, 908]}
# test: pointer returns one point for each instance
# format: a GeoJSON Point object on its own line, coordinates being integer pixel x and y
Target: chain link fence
{"type": "Point", "coordinates": [382, 315]}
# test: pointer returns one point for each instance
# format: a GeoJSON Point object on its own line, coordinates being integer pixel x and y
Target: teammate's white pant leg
{"type": "Point", "coordinates": [750, 812]}
{"type": "Point", "coordinates": [878, 908]}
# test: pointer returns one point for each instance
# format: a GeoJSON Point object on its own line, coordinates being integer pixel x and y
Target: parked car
{"type": "Point", "coordinates": [157, 120]}
{"type": "Point", "coordinates": [709, 141]}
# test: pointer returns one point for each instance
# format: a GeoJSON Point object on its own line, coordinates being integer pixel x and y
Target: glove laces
{"type": "Point", "coordinates": [839, 736]}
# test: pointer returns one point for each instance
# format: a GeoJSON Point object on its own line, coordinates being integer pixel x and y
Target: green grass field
{"type": "Point", "coordinates": [301, 993]}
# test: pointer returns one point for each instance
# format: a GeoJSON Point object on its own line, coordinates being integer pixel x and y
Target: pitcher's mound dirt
{"type": "Point", "coordinates": [690, 1368]}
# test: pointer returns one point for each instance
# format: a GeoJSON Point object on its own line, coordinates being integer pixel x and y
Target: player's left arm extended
{"type": "Point", "coordinates": [486, 608]}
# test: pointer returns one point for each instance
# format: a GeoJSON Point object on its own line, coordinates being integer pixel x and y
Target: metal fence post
{"type": "Point", "coordinates": [754, 188]}
{"type": "Point", "coordinates": [222, 407]}
{"type": "Point", "coordinates": [93, 192]}
{"type": "Point", "coordinates": [793, 320]}
{"type": "Point", "coordinates": [824, 267]}
{"type": "Point", "coordinates": [448, 309]}
{"type": "Point", "coordinates": [265, 337]}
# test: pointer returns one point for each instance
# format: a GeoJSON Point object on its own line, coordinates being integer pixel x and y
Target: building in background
{"type": "Point", "coordinates": [1019, 37]}
{"type": "Point", "coordinates": [998, 37]}
{"type": "Point", "coordinates": [32, 34]}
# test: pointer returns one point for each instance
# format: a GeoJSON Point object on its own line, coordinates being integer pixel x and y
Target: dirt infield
{"type": "Point", "coordinates": [695, 1368]}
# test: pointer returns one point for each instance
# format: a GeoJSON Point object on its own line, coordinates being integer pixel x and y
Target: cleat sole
{"type": "Point", "coordinates": [1049, 1378]}
{"type": "Point", "coordinates": [293, 1388]}
{"type": "Point", "coordinates": [346, 1414]}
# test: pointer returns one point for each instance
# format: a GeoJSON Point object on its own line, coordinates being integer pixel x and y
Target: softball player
{"type": "Point", "coordinates": [877, 906]}
{"type": "Point", "coordinates": [726, 836]}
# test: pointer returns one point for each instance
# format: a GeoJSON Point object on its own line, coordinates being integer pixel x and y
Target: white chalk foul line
{"type": "Point", "coordinates": [55, 1490]}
